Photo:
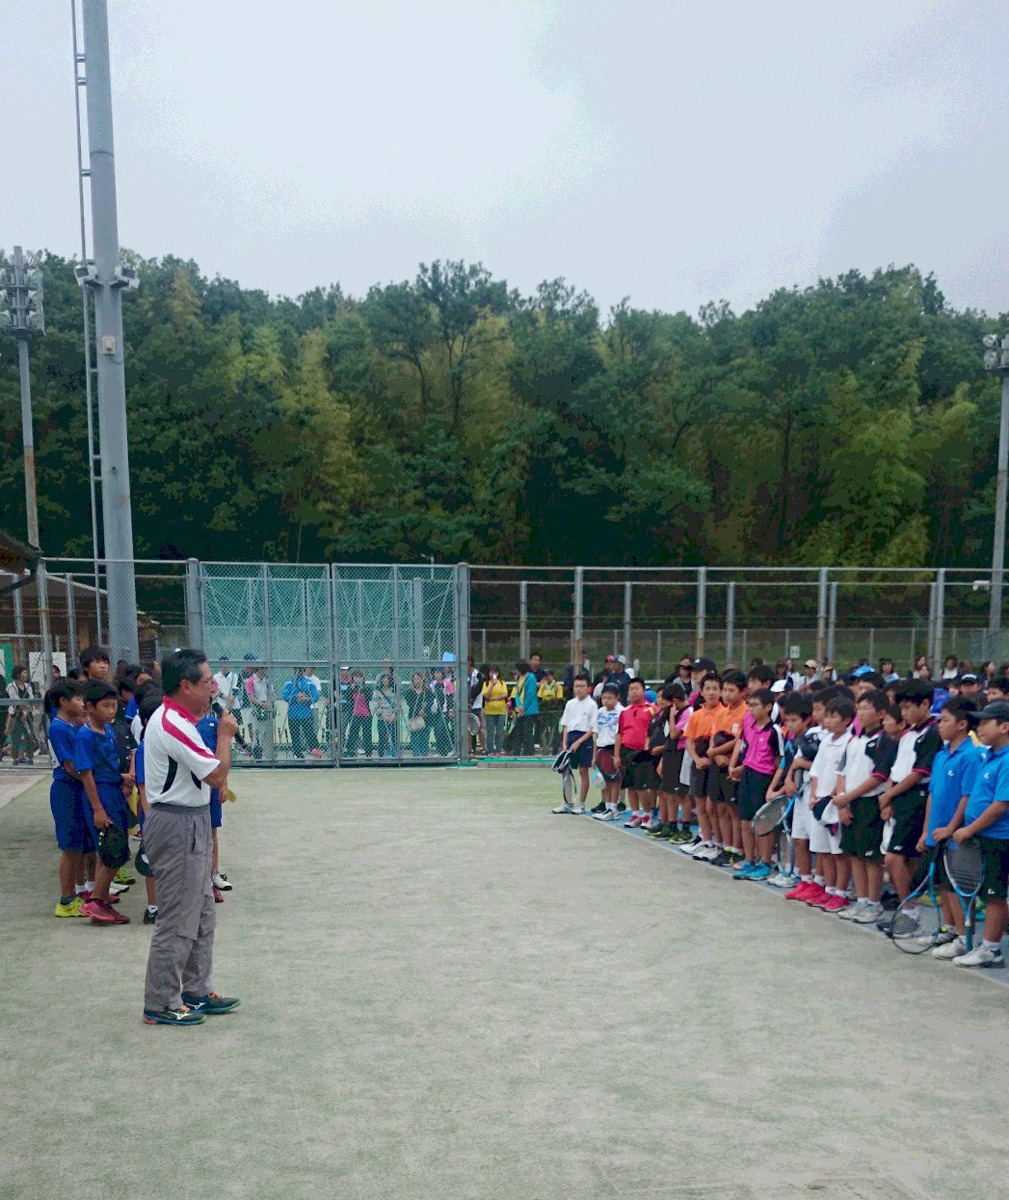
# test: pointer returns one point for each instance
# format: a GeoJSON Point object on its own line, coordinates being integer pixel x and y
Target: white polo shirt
{"type": "Point", "coordinates": [176, 762]}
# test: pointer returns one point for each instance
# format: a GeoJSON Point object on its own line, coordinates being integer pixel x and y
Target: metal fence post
{"type": "Point", "coordinates": [19, 624]}
{"type": "Point", "coordinates": [872, 645]}
{"type": "Point", "coordinates": [788, 640]}
{"type": "Point", "coordinates": [462, 735]}
{"type": "Point", "coordinates": [742, 661]}
{"type": "Point", "coordinates": [930, 640]}
{"type": "Point", "coordinates": [42, 586]}
{"type": "Point", "coordinates": [821, 616]}
{"type": "Point", "coordinates": [832, 624]}
{"type": "Point", "coordinates": [730, 621]}
{"type": "Point", "coordinates": [524, 619]}
{"type": "Point", "coordinates": [68, 583]}
{"type": "Point", "coordinates": [579, 600]}
{"type": "Point", "coordinates": [193, 623]}
{"type": "Point", "coordinates": [702, 602]}
{"type": "Point", "coordinates": [914, 640]}
{"type": "Point", "coordinates": [658, 654]}
{"type": "Point", "coordinates": [628, 591]}
{"type": "Point", "coordinates": [940, 606]}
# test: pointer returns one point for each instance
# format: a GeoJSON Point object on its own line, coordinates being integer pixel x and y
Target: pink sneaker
{"type": "Point", "coordinates": [99, 913]}
{"type": "Point", "coordinates": [635, 822]}
{"type": "Point", "coordinates": [835, 904]}
{"type": "Point", "coordinates": [818, 896]}
{"type": "Point", "coordinates": [800, 891]}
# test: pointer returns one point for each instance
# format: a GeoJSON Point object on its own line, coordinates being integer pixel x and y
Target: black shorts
{"type": "Point", "coordinates": [933, 854]}
{"type": "Point", "coordinates": [721, 788]}
{"type": "Point", "coordinates": [639, 770]}
{"type": "Point", "coordinates": [751, 792]}
{"type": "Point", "coordinates": [995, 867]}
{"type": "Point", "coordinates": [672, 762]}
{"type": "Point", "coordinates": [863, 838]}
{"type": "Point", "coordinates": [908, 822]}
{"type": "Point", "coordinates": [582, 757]}
{"type": "Point", "coordinates": [698, 786]}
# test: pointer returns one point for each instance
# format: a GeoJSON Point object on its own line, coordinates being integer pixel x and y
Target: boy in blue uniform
{"type": "Point", "coordinates": [206, 727]}
{"type": "Point", "coordinates": [96, 758]}
{"type": "Point", "coordinates": [986, 817]}
{"type": "Point", "coordinates": [64, 705]}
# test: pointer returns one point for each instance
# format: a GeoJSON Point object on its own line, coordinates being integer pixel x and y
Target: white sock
{"type": "Point", "coordinates": [80, 887]}
{"type": "Point", "coordinates": [818, 880]}
{"type": "Point", "coordinates": [806, 878]}
{"type": "Point", "coordinates": [990, 945]}
{"type": "Point", "coordinates": [152, 908]}
{"type": "Point", "coordinates": [864, 900]}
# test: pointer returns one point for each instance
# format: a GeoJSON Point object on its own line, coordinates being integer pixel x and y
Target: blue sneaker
{"type": "Point", "coordinates": [745, 870]}
{"type": "Point", "coordinates": [210, 1005]}
{"type": "Point", "coordinates": [760, 871]}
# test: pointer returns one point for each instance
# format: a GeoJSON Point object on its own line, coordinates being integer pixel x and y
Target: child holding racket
{"type": "Point", "coordinates": [954, 774]}
{"type": "Point", "coordinates": [577, 725]}
{"type": "Point", "coordinates": [698, 733]}
{"type": "Point", "coordinates": [753, 771]}
{"type": "Point", "coordinates": [727, 730]}
{"type": "Point", "coordinates": [862, 775]}
{"type": "Point", "coordinates": [604, 737]}
{"type": "Point", "coordinates": [796, 718]}
{"type": "Point", "coordinates": [831, 879]}
{"type": "Point", "coordinates": [986, 817]}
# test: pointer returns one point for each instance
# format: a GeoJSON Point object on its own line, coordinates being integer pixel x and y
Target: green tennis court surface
{"type": "Point", "coordinates": [449, 992]}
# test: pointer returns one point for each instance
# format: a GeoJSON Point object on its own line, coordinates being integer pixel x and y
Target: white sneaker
{"type": "Point", "coordinates": [707, 852]}
{"type": "Point", "coordinates": [563, 808]}
{"type": "Point", "coordinates": [783, 881]}
{"type": "Point", "coordinates": [867, 914]}
{"type": "Point", "coordinates": [852, 911]}
{"type": "Point", "coordinates": [118, 888]}
{"type": "Point", "coordinates": [690, 847]}
{"type": "Point", "coordinates": [981, 957]}
{"type": "Point", "coordinates": [579, 810]}
{"type": "Point", "coordinates": [953, 949]}
{"type": "Point", "coordinates": [221, 882]}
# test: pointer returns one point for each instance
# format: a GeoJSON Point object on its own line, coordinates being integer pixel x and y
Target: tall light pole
{"type": "Point", "coordinates": [21, 314]}
{"type": "Point", "coordinates": [107, 277]}
{"type": "Point", "coordinates": [996, 358]}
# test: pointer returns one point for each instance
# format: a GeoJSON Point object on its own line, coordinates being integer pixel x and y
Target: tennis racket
{"type": "Point", "coordinates": [786, 851]}
{"type": "Point", "coordinates": [568, 782]}
{"type": "Point", "coordinates": [769, 816]}
{"type": "Point", "coordinates": [473, 723]}
{"type": "Point", "coordinates": [915, 924]}
{"type": "Point", "coordinates": [965, 869]}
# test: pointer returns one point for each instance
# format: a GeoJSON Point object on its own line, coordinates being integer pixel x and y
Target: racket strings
{"type": "Point", "coordinates": [964, 867]}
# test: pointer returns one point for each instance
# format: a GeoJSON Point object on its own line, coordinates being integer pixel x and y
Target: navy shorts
{"type": "Point", "coordinates": [215, 808]}
{"type": "Point", "coordinates": [751, 792]}
{"type": "Point", "coordinates": [66, 799]}
{"type": "Point", "coordinates": [114, 803]}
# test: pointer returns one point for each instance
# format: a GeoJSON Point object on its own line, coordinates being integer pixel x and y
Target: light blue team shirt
{"type": "Point", "coordinates": [992, 784]}
{"type": "Point", "coordinates": [953, 777]}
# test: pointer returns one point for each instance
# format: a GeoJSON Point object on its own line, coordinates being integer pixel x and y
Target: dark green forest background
{"type": "Point", "coordinates": [848, 423]}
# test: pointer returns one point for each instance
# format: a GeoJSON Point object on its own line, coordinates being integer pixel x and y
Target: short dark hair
{"type": "Point", "coordinates": [885, 660]}
{"type": "Point", "coordinates": [846, 692]}
{"type": "Point", "coordinates": [763, 695]}
{"type": "Point", "coordinates": [150, 704]}
{"type": "Point", "coordinates": [96, 690]}
{"type": "Point", "coordinates": [798, 704]}
{"type": "Point", "coordinates": [64, 689]}
{"type": "Point", "coordinates": [1001, 682]}
{"type": "Point", "coordinates": [893, 710]}
{"type": "Point", "coordinates": [827, 694]}
{"type": "Point", "coordinates": [638, 679]}
{"type": "Point", "coordinates": [915, 691]}
{"type": "Point", "coordinates": [762, 673]}
{"type": "Point", "coordinates": [611, 688]}
{"type": "Point", "coordinates": [879, 700]}
{"type": "Point", "coordinates": [711, 675]}
{"type": "Point", "coordinates": [674, 691]}
{"type": "Point", "coordinates": [816, 685]}
{"type": "Point", "coordinates": [872, 677]}
{"type": "Point", "coordinates": [92, 654]}
{"type": "Point", "coordinates": [180, 665]}
{"type": "Point", "coordinates": [736, 677]}
{"type": "Point", "coordinates": [583, 675]}
{"type": "Point", "coordinates": [536, 654]}
{"type": "Point", "coordinates": [963, 708]}
{"type": "Point", "coordinates": [521, 665]}
{"type": "Point", "coordinates": [19, 667]}
{"type": "Point", "coordinates": [842, 707]}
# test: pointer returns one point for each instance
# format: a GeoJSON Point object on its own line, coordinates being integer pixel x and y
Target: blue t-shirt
{"type": "Point", "coordinates": [138, 765]}
{"type": "Point", "coordinates": [98, 753]}
{"type": "Point", "coordinates": [953, 777]}
{"type": "Point", "coordinates": [131, 709]}
{"type": "Point", "coordinates": [992, 784]}
{"type": "Point", "coordinates": [206, 727]}
{"type": "Point", "coordinates": [62, 743]}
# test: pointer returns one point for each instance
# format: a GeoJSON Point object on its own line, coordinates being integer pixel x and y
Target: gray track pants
{"type": "Point", "coordinates": [179, 845]}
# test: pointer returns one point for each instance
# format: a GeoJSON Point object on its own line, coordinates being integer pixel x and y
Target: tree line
{"type": "Point", "coordinates": [850, 422]}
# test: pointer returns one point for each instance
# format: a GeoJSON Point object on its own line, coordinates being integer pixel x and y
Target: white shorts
{"type": "Point", "coordinates": [802, 818]}
{"type": "Point", "coordinates": [821, 840]}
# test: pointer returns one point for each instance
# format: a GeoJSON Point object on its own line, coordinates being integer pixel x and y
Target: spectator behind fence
{"type": "Point", "coordinates": [495, 698]}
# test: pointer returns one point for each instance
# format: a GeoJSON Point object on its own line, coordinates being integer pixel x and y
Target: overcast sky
{"type": "Point", "coordinates": [670, 151]}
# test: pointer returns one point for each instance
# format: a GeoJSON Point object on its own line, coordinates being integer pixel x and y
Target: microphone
{"type": "Point", "coordinates": [218, 709]}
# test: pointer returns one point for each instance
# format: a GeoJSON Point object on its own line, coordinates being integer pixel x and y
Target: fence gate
{"type": "Point", "coordinates": [354, 663]}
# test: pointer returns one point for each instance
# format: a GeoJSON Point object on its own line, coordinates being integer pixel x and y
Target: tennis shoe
{"type": "Point", "coordinates": [599, 808]}
{"type": "Point", "coordinates": [817, 896]}
{"type": "Point", "coordinates": [743, 870]}
{"type": "Point", "coordinates": [563, 808]}
{"type": "Point", "coordinates": [691, 845]}
{"type": "Point", "coordinates": [800, 891]}
{"type": "Point", "coordinates": [99, 913]}
{"type": "Point", "coordinates": [71, 909]}
{"type": "Point", "coordinates": [123, 876]}
{"type": "Point", "coordinates": [218, 895]}
{"type": "Point", "coordinates": [849, 913]}
{"type": "Point", "coordinates": [150, 917]}
{"type": "Point", "coordinates": [982, 956]}
{"type": "Point", "coordinates": [183, 1015]}
{"type": "Point", "coordinates": [708, 853]}
{"type": "Point", "coordinates": [116, 889]}
{"type": "Point", "coordinates": [836, 904]}
{"type": "Point", "coordinates": [784, 881]}
{"type": "Point", "coordinates": [221, 881]}
{"type": "Point", "coordinates": [867, 914]}
{"type": "Point", "coordinates": [954, 949]}
{"type": "Point", "coordinates": [760, 872]}
{"type": "Point", "coordinates": [944, 937]}
{"type": "Point", "coordinates": [579, 810]}
{"type": "Point", "coordinates": [636, 822]}
{"type": "Point", "coordinates": [213, 1004]}
{"type": "Point", "coordinates": [722, 859]}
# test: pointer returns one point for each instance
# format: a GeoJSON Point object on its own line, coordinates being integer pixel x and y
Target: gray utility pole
{"type": "Point", "coordinates": [21, 288]}
{"type": "Point", "coordinates": [997, 359]}
{"type": "Point", "coordinates": [108, 279]}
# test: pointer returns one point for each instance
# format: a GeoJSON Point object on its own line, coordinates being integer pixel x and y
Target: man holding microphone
{"type": "Point", "coordinates": [180, 771]}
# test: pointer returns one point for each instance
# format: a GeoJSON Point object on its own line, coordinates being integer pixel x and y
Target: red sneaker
{"type": "Point", "coordinates": [218, 896]}
{"type": "Point", "coordinates": [800, 891]}
{"type": "Point", "coordinates": [818, 896]}
{"type": "Point", "coordinates": [99, 913]}
{"type": "Point", "coordinates": [119, 918]}
{"type": "Point", "coordinates": [835, 904]}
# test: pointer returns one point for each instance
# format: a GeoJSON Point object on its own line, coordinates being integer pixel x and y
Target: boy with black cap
{"type": "Point", "coordinates": [986, 817]}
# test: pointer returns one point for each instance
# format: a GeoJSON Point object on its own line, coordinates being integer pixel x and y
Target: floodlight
{"type": "Point", "coordinates": [126, 277]}
{"type": "Point", "coordinates": [1005, 359]}
{"type": "Point", "coordinates": [34, 278]}
{"type": "Point", "coordinates": [37, 320]}
{"type": "Point", "coordinates": [87, 273]}
{"type": "Point", "coordinates": [5, 318]}
{"type": "Point", "coordinates": [990, 341]}
{"type": "Point", "coordinates": [991, 360]}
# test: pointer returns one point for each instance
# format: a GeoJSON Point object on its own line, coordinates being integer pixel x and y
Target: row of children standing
{"type": "Point", "coordinates": [875, 781]}
{"type": "Point", "coordinates": [95, 731]}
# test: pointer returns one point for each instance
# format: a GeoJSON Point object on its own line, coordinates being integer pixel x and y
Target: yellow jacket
{"type": "Point", "coordinates": [495, 693]}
